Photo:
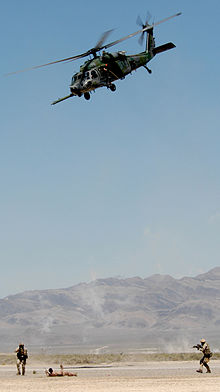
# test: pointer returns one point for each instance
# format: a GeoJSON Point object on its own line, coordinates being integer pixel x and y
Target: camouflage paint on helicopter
{"type": "Point", "coordinates": [103, 70]}
{"type": "Point", "coordinates": [106, 69]}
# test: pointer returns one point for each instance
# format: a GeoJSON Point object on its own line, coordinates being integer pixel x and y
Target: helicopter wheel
{"type": "Point", "coordinates": [112, 87]}
{"type": "Point", "coordinates": [87, 96]}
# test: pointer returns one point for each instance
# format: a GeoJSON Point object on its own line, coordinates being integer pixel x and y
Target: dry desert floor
{"type": "Point", "coordinates": [166, 376]}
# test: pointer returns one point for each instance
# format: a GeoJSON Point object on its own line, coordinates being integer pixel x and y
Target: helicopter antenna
{"type": "Point", "coordinates": [102, 39]}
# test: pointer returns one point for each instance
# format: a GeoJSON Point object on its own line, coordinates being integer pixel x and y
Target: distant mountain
{"type": "Point", "coordinates": [159, 311]}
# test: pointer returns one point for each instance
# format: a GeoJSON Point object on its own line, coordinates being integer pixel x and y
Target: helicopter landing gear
{"type": "Point", "coordinates": [148, 70]}
{"type": "Point", "coordinates": [87, 96]}
{"type": "Point", "coordinates": [112, 87]}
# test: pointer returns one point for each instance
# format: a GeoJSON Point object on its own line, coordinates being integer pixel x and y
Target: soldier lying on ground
{"type": "Point", "coordinates": [51, 373]}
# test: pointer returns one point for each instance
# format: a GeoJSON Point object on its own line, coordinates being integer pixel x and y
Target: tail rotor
{"type": "Point", "coordinates": [143, 26]}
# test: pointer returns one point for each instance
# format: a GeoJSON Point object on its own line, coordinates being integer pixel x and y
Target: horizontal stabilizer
{"type": "Point", "coordinates": [163, 48]}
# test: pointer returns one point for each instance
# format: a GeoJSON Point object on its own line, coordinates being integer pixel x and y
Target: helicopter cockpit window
{"type": "Point", "coordinates": [94, 74]}
{"type": "Point", "coordinates": [87, 75]}
{"type": "Point", "coordinates": [75, 78]}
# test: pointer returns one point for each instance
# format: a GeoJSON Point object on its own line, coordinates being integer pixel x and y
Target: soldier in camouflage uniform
{"type": "Point", "coordinates": [22, 356]}
{"type": "Point", "coordinates": [50, 373]}
{"type": "Point", "coordinates": [204, 347]}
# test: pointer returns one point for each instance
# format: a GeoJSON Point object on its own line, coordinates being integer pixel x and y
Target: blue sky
{"type": "Point", "coordinates": [126, 184]}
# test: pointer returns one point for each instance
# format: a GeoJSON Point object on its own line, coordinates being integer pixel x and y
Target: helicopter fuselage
{"type": "Point", "coordinates": [105, 69]}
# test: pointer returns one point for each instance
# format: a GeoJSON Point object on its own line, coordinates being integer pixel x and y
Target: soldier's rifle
{"type": "Point", "coordinates": [198, 346]}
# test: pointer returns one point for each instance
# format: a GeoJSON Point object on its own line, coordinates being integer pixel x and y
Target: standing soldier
{"type": "Point", "coordinates": [22, 356]}
{"type": "Point", "coordinates": [204, 347]}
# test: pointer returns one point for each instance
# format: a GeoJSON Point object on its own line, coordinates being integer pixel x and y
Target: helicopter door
{"type": "Point", "coordinates": [94, 74]}
{"type": "Point", "coordinates": [124, 65]}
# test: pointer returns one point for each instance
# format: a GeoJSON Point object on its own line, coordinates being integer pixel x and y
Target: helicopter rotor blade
{"type": "Point", "coordinates": [52, 62]}
{"type": "Point", "coordinates": [139, 21]}
{"type": "Point", "coordinates": [103, 38]}
{"type": "Point", "coordinates": [140, 31]}
{"type": "Point", "coordinates": [68, 59]}
{"type": "Point", "coordinates": [166, 19]}
{"type": "Point", "coordinates": [97, 47]}
{"type": "Point", "coordinates": [143, 25]}
{"type": "Point", "coordinates": [148, 17]}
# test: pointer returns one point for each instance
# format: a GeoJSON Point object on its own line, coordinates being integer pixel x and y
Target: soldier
{"type": "Point", "coordinates": [204, 347]}
{"type": "Point", "coordinates": [22, 356]}
{"type": "Point", "coordinates": [50, 373]}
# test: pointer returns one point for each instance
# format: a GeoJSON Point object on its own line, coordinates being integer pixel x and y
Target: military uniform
{"type": "Point", "coordinates": [22, 356]}
{"type": "Point", "coordinates": [206, 356]}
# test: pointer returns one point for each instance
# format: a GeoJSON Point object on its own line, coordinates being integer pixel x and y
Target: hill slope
{"type": "Point", "coordinates": [159, 311]}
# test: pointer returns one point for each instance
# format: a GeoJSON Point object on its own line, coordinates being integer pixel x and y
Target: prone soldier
{"type": "Point", "coordinates": [207, 354]}
{"type": "Point", "coordinates": [50, 373]}
{"type": "Point", "coordinates": [22, 356]}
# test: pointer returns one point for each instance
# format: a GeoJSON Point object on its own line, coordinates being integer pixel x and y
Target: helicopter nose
{"type": "Point", "coordinates": [88, 84]}
{"type": "Point", "coordinates": [74, 90]}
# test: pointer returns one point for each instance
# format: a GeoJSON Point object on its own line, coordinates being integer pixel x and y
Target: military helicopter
{"type": "Point", "coordinates": [103, 70]}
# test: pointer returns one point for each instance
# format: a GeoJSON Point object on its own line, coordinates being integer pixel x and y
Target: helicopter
{"type": "Point", "coordinates": [104, 69]}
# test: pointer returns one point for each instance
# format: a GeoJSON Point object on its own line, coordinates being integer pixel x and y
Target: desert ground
{"type": "Point", "coordinates": [163, 376]}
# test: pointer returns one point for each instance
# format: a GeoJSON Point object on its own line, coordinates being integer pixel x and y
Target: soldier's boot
{"type": "Point", "coordinates": [208, 368]}
{"type": "Point", "coordinates": [23, 370]}
{"type": "Point", "coordinates": [18, 370]}
{"type": "Point", "coordinates": [200, 369]}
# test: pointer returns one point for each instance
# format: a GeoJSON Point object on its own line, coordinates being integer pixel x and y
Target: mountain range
{"type": "Point", "coordinates": [155, 313]}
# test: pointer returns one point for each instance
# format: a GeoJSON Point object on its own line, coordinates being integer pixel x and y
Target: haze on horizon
{"type": "Point", "coordinates": [124, 185]}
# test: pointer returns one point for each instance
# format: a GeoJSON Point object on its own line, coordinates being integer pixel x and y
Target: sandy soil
{"type": "Point", "coordinates": [148, 376]}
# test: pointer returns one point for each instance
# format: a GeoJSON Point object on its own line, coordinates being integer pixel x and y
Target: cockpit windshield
{"type": "Point", "coordinates": [88, 75]}
{"type": "Point", "coordinates": [76, 77]}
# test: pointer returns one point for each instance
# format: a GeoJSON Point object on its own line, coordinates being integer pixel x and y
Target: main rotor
{"type": "Point", "coordinates": [100, 45]}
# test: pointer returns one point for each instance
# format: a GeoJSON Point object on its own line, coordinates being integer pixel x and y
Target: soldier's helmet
{"type": "Point", "coordinates": [202, 341]}
{"type": "Point", "coordinates": [50, 370]}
